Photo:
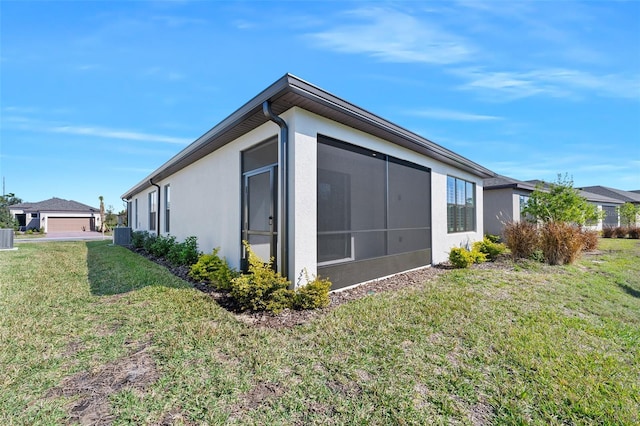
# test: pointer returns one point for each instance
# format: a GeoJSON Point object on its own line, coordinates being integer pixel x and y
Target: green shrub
{"type": "Point", "coordinates": [561, 243]}
{"type": "Point", "coordinates": [279, 300]}
{"type": "Point", "coordinates": [149, 240]}
{"type": "Point", "coordinates": [262, 289]}
{"type": "Point", "coordinates": [490, 248]}
{"type": "Point", "coordinates": [493, 238]}
{"type": "Point", "coordinates": [184, 253]}
{"type": "Point", "coordinates": [138, 238]}
{"type": "Point", "coordinates": [460, 257]}
{"type": "Point", "coordinates": [214, 270]}
{"type": "Point", "coordinates": [521, 238]}
{"type": "Point", "coordinates": [537, 255]}
{"type": "Point", "coordinates": [313, 295]}
{"type": "Point", "coordinates": [161, 246]}
{"type": "Point", "coordinates": [633, 232]}
{"type": "Point", "coordinates": [478, 257]}
{"type": "Point", "coordinates": [608, 231]}
{"type": "Point", "coordinates": [29, 232]}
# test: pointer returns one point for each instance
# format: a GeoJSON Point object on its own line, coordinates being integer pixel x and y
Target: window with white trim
{"type": "Point", "coordinates": [461, 205]}
{"type": "Point", "coordinates": [524, 199]}
{"type": "Point", "coordinates": [152, 211]}
{"type": "Point", "coordinates": [167, 207]}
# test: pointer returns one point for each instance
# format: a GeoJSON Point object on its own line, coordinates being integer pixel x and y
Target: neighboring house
{"type": "Point", "coordinates": [318, 184]}
{"type": "Point", "coordinates": [632, 197]}
{"type": "Point", "coordinates": [56, 215]}
{"type": "Point", "coordinates": [505, 198]}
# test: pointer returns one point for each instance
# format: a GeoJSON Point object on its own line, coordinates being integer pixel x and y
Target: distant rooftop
{"type": "Point", "coordinates": [54, 205]}
{"type": "Point", "coordinates": [619, 194]}
{"type": "Point", "coordinates": [501, 182]}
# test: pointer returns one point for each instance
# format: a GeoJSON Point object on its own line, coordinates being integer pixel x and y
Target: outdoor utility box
{"type": "Point", "coordinates": [122, 236]}
{"type": "Point", "coordinates": [6, 239]}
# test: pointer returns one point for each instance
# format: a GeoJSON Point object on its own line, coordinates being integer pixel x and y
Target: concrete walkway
{"type": "Point", "coordinates": [65, 236]}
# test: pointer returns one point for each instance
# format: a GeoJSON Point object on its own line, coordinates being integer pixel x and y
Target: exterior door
{"type": "Point", "coordinates": [260, 214]}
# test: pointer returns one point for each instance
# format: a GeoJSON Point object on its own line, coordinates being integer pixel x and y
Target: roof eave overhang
{"type": "Point", "coordinates": [290, 91]}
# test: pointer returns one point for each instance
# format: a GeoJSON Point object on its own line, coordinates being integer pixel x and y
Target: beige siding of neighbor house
{"type": "Point", "coordinates": [70, 224]}
{"type": "Point", "coordinates": [69, 221]}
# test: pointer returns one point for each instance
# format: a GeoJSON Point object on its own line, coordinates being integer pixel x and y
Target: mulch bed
{"type": "Point", "coordinates": [290, 318]}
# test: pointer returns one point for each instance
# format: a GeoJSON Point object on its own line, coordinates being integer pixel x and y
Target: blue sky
{"type": "Point", "coordinates": [96, 95]}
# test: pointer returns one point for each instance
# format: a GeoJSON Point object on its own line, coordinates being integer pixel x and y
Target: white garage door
{"type": "Point", "coordinates": [69, 224]}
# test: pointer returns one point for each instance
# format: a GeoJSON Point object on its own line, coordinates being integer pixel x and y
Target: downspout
{"type": "Point", "coordinates": [284, 192]}
{"type": "Point", "coordinates": [127, 209]}
{"type": "Point", "coordinates": [157, 207]}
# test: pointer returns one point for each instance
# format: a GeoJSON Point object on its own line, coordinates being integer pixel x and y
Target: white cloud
{"type": "Point", "coordinates": [178, 21]}
{"type": "Point", "coordinates": [555, 82]}
{"type": "Point", "coordinates": [393, 36]}
{"type": "Point", "coordinates": [162, 73]}
{"type": "Point", "coordinates": [20, 110]}
{"type": "Point", "coordinates": [444, 114]}
{"type": "Point", "coordinates": [118, 134]}
{"type": "Point", "coordinates": [87, 67]}
{"type": "Point", "coordinates": [243, 24]}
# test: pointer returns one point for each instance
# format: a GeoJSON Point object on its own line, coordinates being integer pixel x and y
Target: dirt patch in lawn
{"type": "Point", "coordinates": [290, 318]}
{"type": "Point", "coordinates": [261, 394]}
{"type": "Point", "coordinates": [135, 372]}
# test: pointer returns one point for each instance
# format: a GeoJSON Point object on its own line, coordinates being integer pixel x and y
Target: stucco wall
{"type": "Point", "coordinates": [206, 196]}
{"type": "Point", "coordinates": [306, 126]}
{"type": "Point", "coordinates": [500, 206]}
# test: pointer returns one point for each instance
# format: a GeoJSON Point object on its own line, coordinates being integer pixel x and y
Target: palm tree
{"type": "Point", "coordinates": [101, 198]}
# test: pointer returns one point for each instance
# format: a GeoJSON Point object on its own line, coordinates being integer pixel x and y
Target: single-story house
{"type": "Point", "coordinates": [319, 185]}
{"type": "Point", "coordinates": [505, 198]}
{"type": "Point", "coordinates": [56, 215]}
{"type": "Point", "coordinates": [632, 197]}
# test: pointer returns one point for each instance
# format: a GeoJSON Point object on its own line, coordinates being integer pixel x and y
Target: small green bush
{"type": "Point", "coordinates": [313, 295]}
{"type": "Point", "coordinates": [161, 246]}
{"type": "Point", "coordinates": [537, 256]}
{"type": "Point", "coordinates": [138, 238]}
{"type": "Point", "coordinates": [493, 238]}
{"type": "Point", "coordinates": [460, 257]}
{"type": "Point", "coordinates": [262, 289]}
{"type": "Point", "coordinates": [148, 242]}
{"type": "Point", "coordinates": [214, 270]}
{"type": "Point", "coordinates": [29, 232]}
{"type": "Point", "coordinates": [184, 253]}
{"type": "Point", "coordinates": [490, 248]}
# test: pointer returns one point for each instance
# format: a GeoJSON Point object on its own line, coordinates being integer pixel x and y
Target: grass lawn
{"type": "Point", "coordinates": [95, 334]}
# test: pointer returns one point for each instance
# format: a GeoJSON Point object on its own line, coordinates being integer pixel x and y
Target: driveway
{"type": "Point", "coordinates": [65, 236]}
